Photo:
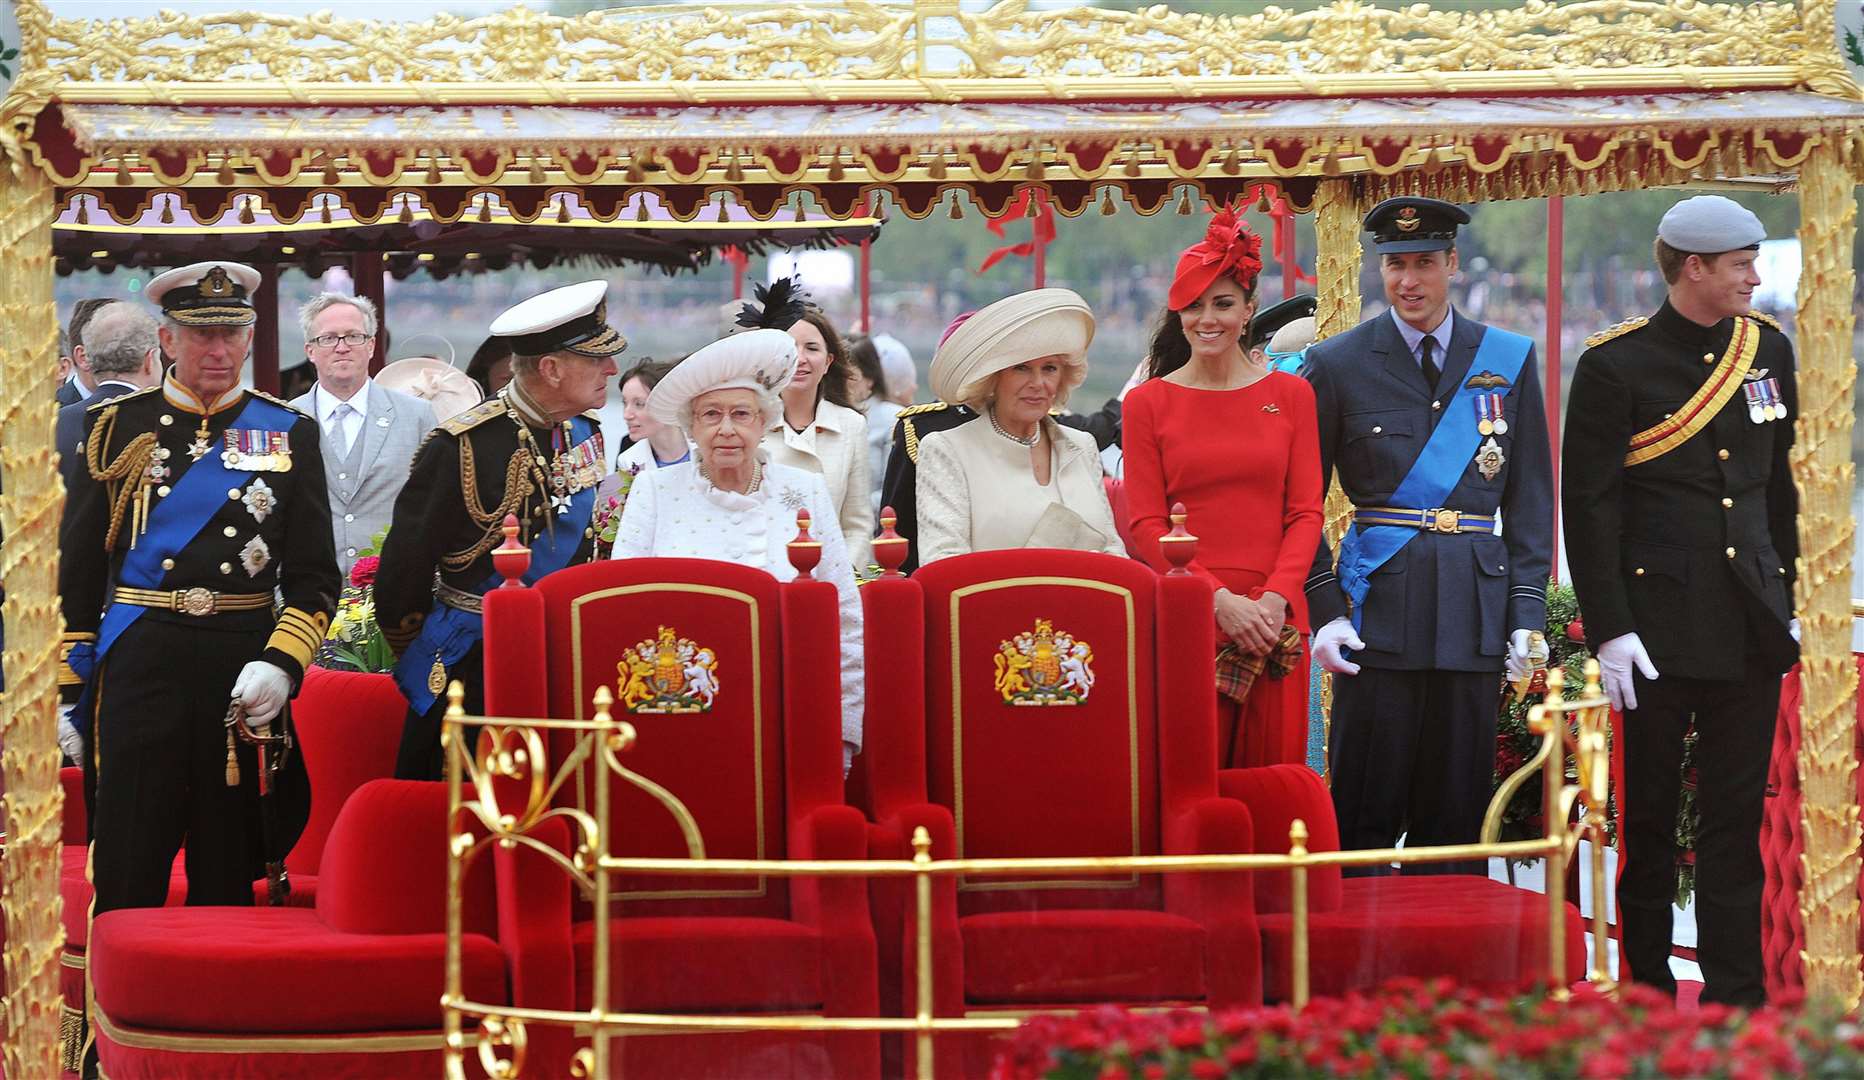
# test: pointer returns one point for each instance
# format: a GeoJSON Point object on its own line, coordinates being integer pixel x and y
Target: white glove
{"type": "Point", "coordinates": [1792, 627]}
{"type": "Point", "coordinates": [69, 739]}
{"type": "Point", "coordinates": [1615, 659]}
{"type": "Point", "coordinates": [262, 690]}
{"type": "Point", "coordinates": [1520, 664]}
{"type": "Point", "coordinates": [1328, 641]}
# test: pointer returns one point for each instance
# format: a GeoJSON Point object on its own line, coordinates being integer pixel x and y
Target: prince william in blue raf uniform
{"type": "Point", "coordinates": [1435, 426]}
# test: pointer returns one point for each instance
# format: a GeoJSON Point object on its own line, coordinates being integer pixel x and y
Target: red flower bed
{"type": "Point", "coordinates": [1410, 1028]}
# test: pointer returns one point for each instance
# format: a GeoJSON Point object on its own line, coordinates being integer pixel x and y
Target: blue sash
{"type": "Point", "coordinates": [1436, 472]}
{"type": "Point", "coordinates": [177, 518]}
{"type": "Point", "coordinates": [449, 633]}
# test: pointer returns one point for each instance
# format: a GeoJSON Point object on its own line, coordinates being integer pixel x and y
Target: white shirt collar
{"type": "Point", "coordinates": [324, 403]}
{"type": "Point", "coordinates": [83, 394]}
{"type": "Point", "coordinates": [1413, 337]}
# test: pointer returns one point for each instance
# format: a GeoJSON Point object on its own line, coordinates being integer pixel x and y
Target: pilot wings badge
{"type": "Point", "coordinates": [1044, 666]}
{"type": "Point", "coordinates": [668, 674]}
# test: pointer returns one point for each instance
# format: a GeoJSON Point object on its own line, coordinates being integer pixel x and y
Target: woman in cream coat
{"type": "Point", "coordinates": [1013, 477]}
{"type": "Point", "coordinates": [818, 430]}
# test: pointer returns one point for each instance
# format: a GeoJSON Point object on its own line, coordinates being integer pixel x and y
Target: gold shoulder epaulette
{"type": "Point", "coordinates": [1763, 317]}
{"type": "Point", "coordinates": [1611, 332]}
{"type": "Point", "coordinates": [120, 398]}
{"type": "Point", "coordinates": [474, 416]}
{"type": "Point", "coordinates": [930, 406]}
{"type": "Point", "coordinates": [276, 400]}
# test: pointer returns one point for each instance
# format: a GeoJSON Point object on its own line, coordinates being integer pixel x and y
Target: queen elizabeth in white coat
{"type": "Point", "coordinates": [730, 502]}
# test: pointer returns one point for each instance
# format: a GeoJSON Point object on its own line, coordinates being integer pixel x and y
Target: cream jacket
{"type": "Point", "coordinates": [977, 492]}
{"type": "Point", "coordinates": [673, 512]}
{"type": "Point", "coordinates": [835, 448]}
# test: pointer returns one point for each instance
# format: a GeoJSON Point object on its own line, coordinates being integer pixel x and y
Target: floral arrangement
{"type": "Point", "coordinates": [1515, 744]}
{"type": "Point", "coordinates": [1412, 1028]}
{"type": "Point", "coordinates": [355, 641]}
{"type": "Point", "coordinates": [610, 499]}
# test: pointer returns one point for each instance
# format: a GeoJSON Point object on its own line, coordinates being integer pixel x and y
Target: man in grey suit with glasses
{"type": "Point", "coordinates": [370, 432]}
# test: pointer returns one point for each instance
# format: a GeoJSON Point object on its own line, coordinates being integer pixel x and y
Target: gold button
{"type": "Point", "coordinates": [1727, 503]}
{"type": "Point", "coordinates": [1435, 405]}
{"type": "Point", "coordinates": [1708, 358]}
{"type": "Point", "coordinates": [1782, 570]}
{"type": "Point", "coordinates": [1376, 429]}
{"type": "Point", "coordinates": [1666, 416]}
{"type": "Point", "coordinates": [231, 531]}
{"type": "Point", "coordinates": [226, 568]}
{"type": "Point", "coordinates": [163, 491]}
{"type": "Point", "coordinates": [1723, 454]}
{"type": "Point", "coordinates": [1730, 553]}
{"type": "Point", "coordinates": [589, 534]}
{"type": "Point", "coordinates": [233, 493]}
{"type": "Point", "coordinates": [1639, 571]}
{"type": "Point", "coordinates": [168, 564]}
{"type": "Point", "coordinates": [167, 420]}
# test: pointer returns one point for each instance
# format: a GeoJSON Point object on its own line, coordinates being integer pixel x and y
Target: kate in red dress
{"type": "Point", "coordinates": [1239, 447]}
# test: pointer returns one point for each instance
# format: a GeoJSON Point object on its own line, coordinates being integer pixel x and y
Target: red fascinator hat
{"type": "Point", "coordinates": [1228, 249]}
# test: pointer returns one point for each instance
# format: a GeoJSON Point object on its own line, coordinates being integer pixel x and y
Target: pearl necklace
{"type": "Point", "coordinates": [757, 477]}
{"type": "Point", "coordinates": [1029, 442]}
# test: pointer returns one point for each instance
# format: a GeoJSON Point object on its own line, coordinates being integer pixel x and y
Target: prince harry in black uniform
{"type": "Point", "coordinates": [1679, 507]}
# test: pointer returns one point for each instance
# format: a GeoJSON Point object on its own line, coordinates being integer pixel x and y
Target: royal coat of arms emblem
{"type": "Point", "coordinates": [1044, 666]}
{"type": "Point", "coordinates": [668, 674]}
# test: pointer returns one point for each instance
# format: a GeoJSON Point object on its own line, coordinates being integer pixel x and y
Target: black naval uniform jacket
{"type": "Point", "coordinates": [433, 534]}
{"type": "Point", "coordinates": [286, 536]}
{"type": "Point", "coordinates": [1693, 550]}
{"type": "Point", "coordinates": [1445, 601]}
{"type": "Point", "coordinates": [900, 489]}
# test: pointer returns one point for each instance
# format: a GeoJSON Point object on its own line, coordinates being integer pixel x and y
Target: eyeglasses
{"type": "Point", "coordinates": [712, 417]}
{"type": "Point", "coordinates": [329, 341]}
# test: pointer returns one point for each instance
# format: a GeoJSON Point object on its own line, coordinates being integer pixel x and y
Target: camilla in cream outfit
{"type": "Point", "coordinates": [980, 484]}
{"type": "Point", "coordinates": [730, 502]}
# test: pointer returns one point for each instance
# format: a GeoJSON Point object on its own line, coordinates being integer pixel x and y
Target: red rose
{"type": "Point", "coordinates": [362, 575]}
{"type": "Point", "coordinates": [1576, 631]}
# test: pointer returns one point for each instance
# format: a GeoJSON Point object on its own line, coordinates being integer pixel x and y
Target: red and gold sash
{"type": "Point", "coordinates": [1681, 426]}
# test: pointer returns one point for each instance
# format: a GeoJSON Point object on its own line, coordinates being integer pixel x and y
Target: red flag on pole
{"type": "Point", "coordinates": [1042, 229]}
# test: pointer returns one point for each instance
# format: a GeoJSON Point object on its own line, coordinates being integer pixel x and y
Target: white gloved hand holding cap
{"type": "Point", "coordinates": [262, 690]}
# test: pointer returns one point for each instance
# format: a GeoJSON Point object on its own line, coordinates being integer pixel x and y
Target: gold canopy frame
{"type": "Point", "coordinates": [925, 104]}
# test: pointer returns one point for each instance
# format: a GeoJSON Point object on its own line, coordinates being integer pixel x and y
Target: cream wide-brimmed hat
{"type": "Point", "coordinates": [1027, 326]}
{"type": "Point", "coordinates": [448, 389]}
{"type": "Point", "coordinates": [759, 360]}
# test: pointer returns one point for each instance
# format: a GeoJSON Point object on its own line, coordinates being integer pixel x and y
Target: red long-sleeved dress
{"type": "Point", "coordinates": [1246, 465]}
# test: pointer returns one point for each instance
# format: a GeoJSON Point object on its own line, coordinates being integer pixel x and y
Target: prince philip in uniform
{"type": "Point", "coordinates": [196, 569]}
{"type": "Point", "coordinates": [534, 451]}
{"type": "Point", "coordinates": [1435, 426]}
{"type": "Point", "coordinates": [1680, 530]}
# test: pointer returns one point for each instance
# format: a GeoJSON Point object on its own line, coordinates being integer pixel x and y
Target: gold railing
{"type": "Point", "coordinates": [511, 758]}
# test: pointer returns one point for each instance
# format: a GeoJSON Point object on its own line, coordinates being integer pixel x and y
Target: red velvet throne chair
{"type": "Point", "coordinates": [756, 758]}
{"type": "Point", "coordinates": [348, 726]}
{"type": "Point", "coordinates": [985, 730]}
{"type": "Point", "coordinates": [348, 987]}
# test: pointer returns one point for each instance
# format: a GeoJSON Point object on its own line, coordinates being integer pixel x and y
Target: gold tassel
{"type": "Point", "coordinates": [1030, 209]}
{"type": "Point", "coordinates": [640, 210]}
{"type": "Point", "coordinates": [1107, 209]}
{"type": "Point", "coordinates": [633, 174]}
{"type": "Point", "coordinates": [800, 216]}
{"type": "Point", "coordinates": [1263, 205]}
{"type": "Point", "coordinates": [835, 172]}
{"type": "Point", "coordinates": [323, 208]}
{"type": "Point", "coordinates": [245, 211]}
{"type": "Point", "coordinates": [1232, 163]}
{"type": "Point", "coordinates": [407, 210]}
{"type": "Point", "coordinates": [957, 210]}
{"type": "Point", "coordinates": [168, 211]}
{"type": "Point", "coordinates": [1132, 162]}
{"type": "Point", "coordinates": [123, 179]}
{"type": "Point", "coordinates": [734, 172]}
{"type": "Point", "coordinates": [537, 170]}
{"type": "Point", "coordinates": [722, 215]}
{"type": "Point", "coordinates": [1184, 202]}
{"type": "Point", "coordinates": [232, 759]}
{"type": "Point", "coordinates": [84, 213]}
{"type": "Point", "coordinates": [563, 210]}
{"type": "Point", "coordinates": [225, 175]}
{"type": "Point", "coordinates": [1035, 170]}
{"type": "Point", "coordinates": [330, 172]}
{"type": "Point", "coordinates": [485, 208]}
{"type": "Point", "coordinates": [433, 171]}
{"type": "Point", "coordinates": [936, 170]}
